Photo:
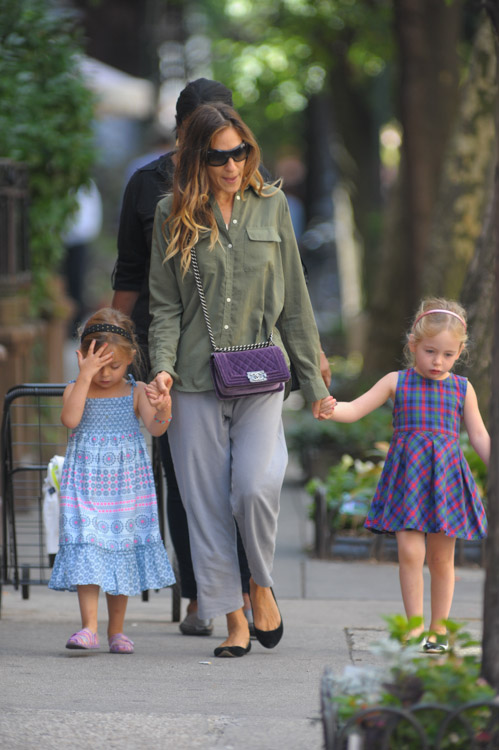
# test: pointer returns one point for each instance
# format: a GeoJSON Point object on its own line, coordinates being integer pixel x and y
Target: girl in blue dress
{"type": "Point", "coordinates": [426, 494]}
{"type": "Point", "coordinates": [109, 532]}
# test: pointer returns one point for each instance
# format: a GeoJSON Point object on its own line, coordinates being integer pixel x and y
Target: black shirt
{"type": "Point", "coordinates": [131, 271]}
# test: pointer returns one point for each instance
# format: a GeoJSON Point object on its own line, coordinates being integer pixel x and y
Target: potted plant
{"type": "Point", "coordinates": [320, 444]}
{"type": "Point", "coordinates": [411, 700]}
{"type": "Point", "coordinates": [340, 505]}
{"type": "Point", "coordinates": [341, 502]}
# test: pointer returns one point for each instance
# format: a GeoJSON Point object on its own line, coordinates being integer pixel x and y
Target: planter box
{"type": "Point", "coordinates": [470, 725]}
{"type": "Point", "coordinates": [353, 548]}
{"type": "Point", "coordinates": [382, 547]}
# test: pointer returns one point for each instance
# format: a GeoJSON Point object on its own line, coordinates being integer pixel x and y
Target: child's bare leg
{"type": "Point", "coordinates": [411, 554]}
{"type": "Point", "coordinates": [116, 607]}
{"type": "Point", "coordinates": [88, 599]}
{"type": "Point", "coordinates": [440, 559]}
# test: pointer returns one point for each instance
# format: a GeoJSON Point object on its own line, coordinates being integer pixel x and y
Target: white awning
{"type": "Point", "coordinates": [118, 93]}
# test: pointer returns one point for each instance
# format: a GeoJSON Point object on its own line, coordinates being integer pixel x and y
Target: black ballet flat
{"type": "Point", "coordinates": [270, 638]}
{"type": "Point", "coordinates": [232, 651]}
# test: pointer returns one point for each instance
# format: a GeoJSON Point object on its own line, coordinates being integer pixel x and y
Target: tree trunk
{"type": "Point", "coordinates": [477, 297]}
{"type": "Point", "coordinates": [428, 34]}
{"type": "Point", "coordinates": [490, 645]}
{"type": "Point", "coordinates": [357, 154]}
{"type": "Point", "coordinates": [467, 180]}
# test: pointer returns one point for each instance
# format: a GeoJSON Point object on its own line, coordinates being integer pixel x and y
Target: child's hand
{"type": "Point", "coordinates": [159, 400]}
{"type": "Point", "coordinates": [95, 360]}
{"type": "Point", "coordinates": [327, 408]}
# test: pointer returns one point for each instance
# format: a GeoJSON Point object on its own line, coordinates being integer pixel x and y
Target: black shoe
{"type": "Point", "coordinates": [248, 613]}
{"type": "Point", "coordinates": [270, 638]}
{"type": "Point", "coordinates": [440, 646]}
{"type": "Point", "coordinates": [228, 651]}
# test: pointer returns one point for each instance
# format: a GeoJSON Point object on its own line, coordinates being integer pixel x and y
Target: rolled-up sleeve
{"type": "Point", "coordinates": [253, 284]}
{"type": "Point", "coordinates": [296, 322]}
{"type": "Point", "coordinates": [165, 302]}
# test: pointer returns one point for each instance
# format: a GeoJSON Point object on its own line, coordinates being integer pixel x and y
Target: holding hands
{"type": "Point", "coordinates": [158, 411]}
{"type": "Point", "coordinates": [163, 382]}
{"type": "Point", "coordinates": [324, 408]}
{"type": "Point", "coordinates": [159, 400]}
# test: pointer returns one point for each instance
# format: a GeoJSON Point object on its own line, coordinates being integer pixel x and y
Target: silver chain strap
{"type": "Point", "coordinates": [204, 307]}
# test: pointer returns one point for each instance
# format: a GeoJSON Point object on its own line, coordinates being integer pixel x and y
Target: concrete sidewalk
{"type": "Point", "coordinates": [172, 693]}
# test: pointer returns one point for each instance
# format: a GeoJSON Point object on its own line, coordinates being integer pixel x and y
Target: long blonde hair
{"type": "Point", "coordinates": [432, 318]}
{"type": "Point", "coordinates": [191, 213]}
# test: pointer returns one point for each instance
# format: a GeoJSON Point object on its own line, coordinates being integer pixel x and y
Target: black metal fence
{"type": "Point", "coordinates": [470, 726]}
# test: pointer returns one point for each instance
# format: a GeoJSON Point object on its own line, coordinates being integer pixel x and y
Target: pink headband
{"type": "Point", "coordinates": [447, 312]}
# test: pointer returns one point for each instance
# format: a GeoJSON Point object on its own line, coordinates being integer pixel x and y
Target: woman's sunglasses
{"type": "Point", "coordinates": [217, 158]}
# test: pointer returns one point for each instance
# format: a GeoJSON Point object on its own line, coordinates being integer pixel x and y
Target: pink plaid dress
{"type": "Point", "coordinates": [426, 483]}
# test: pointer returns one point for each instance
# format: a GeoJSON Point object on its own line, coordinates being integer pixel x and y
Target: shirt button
{"type": "Point", "coordinates": [229, 246]}
{"type": "Point", "coordinates": [234, 221]}
{"type": "Point", "coordinates": [226, 327]}
{"type": "Point", "coordinates": [229, 299]}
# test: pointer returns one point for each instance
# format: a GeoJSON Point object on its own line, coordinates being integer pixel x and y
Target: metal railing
{"type": "Point", "coordinates": [431, 726]}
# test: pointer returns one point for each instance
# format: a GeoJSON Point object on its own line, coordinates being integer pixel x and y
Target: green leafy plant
{"type": "Point", "coordinates": [350, 484]}
{"type": "Point", "coordinates": [306, 436]}
{"type": "Point", "coordinates": [349, 488]}
{"type": "Point", "coordinates": [46, 122]}
{"type": "Point", "coordinates": [408, 679]}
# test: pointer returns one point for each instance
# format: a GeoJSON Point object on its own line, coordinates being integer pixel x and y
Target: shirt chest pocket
{"type": "Point", "coordinates": [261, 246]}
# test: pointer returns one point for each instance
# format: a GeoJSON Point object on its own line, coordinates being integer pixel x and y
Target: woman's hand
{"type": "Point", "coordinates": [161, 401]}
{"type": "Point", "coordinates": [162, 383]}
{"type": "Point", "coordinates": [324, 408]}
{"type": "Point", "coordinates": [325, 369]}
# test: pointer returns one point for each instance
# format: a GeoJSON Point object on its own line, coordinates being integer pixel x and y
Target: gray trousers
{"type": "Point", "coordinates": [230, 458]}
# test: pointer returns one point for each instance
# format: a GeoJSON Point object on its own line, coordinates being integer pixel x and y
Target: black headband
{"type": "Point", "coordinates": [106, 328]}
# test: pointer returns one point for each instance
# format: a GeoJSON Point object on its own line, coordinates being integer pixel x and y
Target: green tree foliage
{"type": "Point", "coordinates": [276, 55]}
{"type": "Point", "coordinates": [45, 121]}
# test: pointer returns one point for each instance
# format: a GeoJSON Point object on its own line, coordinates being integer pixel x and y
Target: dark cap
{"type": "Point", "coordinates": [200, 91]}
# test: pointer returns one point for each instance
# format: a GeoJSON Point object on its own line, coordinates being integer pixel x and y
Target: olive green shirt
{"type": "Point", "coordinates": [254, 285]}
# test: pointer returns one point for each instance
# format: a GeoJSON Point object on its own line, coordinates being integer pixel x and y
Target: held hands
{"type": "Point", "coordinates": [161, 401]}
{"type": "Point", "coordinates": [90, 365]}
{"type": "Point", "coordinates": [163, 382]}
{"type": "Point", "coordinates": [324, 408]}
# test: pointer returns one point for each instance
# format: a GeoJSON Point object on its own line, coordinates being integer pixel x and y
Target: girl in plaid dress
{"type": "Point", "coordinates": [426, 494]}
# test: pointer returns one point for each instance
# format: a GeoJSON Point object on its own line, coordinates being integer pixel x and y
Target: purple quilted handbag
{"type": "Point", "coordinates": [248, 372]}
{"type": "Point", "coordinates": [242, 370]}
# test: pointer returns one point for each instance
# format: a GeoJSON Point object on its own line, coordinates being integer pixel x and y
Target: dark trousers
{"type": "Point", "coordinates": [179, 531]}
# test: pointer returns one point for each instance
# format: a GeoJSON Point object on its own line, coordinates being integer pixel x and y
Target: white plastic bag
{"type": "Point", "coordinates": [51, 486]}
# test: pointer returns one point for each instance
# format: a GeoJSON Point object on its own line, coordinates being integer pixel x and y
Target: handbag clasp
{"type": "Point", "coordinates": [257, 376]}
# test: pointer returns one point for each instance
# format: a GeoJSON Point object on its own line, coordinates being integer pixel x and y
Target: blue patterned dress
{"type": "Point", "coordinates": [109, 531]}
{"type": "Point", "coordinates": [426, 483]}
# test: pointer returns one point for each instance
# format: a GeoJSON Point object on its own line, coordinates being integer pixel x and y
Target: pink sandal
{"type": "Point", "coordinates": [120, 644]}
{"type": "Point", "coordinates": [83, 639]}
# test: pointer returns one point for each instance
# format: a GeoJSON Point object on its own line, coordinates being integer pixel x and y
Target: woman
{"type": "Point", "coordinates": [229, 456]}
{"type": "Point", "coordinates": [131, 284]}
